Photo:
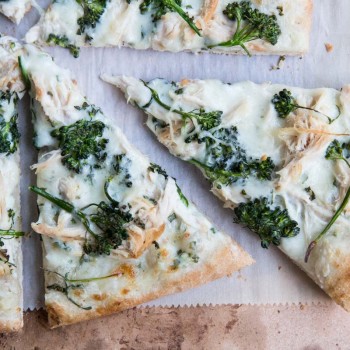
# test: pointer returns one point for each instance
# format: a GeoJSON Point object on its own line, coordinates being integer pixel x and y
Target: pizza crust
{"type": "Point", "coordinates": [230, 260]}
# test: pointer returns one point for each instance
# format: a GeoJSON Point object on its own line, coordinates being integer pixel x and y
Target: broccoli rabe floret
{"type": "Point", "coordinates": [270, 224]}
{"type": "Point", "coordinates": [285, 103]}
{"type": "Point", "coordinates": [62, 40]}
{"type": "Point", "coordinates": [80, 141]}
{"type": "Point", "coordinates": [9, 134]}
{"type": "Point", "coordinates": [251, 25]}
{"type": "Point", "coordinates": [161, 7]}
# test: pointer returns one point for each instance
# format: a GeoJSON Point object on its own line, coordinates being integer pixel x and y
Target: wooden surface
{"type": "Point", "coordinates": [221, 327]}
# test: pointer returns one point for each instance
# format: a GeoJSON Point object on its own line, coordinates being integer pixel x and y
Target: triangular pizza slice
{"type": "Point", "coordinates": [278, 156]}
{"type": "Point", "coordinates": [11, 90]}
{"type": "Point", "coordinates": [232, 27]}
{"type": "Point", "coordinates": [117, 231]}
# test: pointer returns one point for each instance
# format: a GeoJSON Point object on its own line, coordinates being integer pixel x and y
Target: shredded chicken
{"type": "Point", "coordinates": [46, 160]}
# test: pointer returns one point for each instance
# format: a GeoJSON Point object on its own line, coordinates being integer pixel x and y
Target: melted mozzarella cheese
{"type": "Point", "coordinates": [122, 24]}
{"type": "Point", "coordinates": [11, 301]}
{"type": "Point", "coordinates": [186, 240]}
{"type": "Point", "coordinates": [296, 144]}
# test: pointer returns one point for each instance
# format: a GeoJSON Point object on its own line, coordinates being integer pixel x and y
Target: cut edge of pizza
{"type": "Point", "coordinates": [269, 27]}
{"type": "Point", "coordinates": [15, 9]}
{"type": "Point", "coordinates": [11, 91]}
{"type": "Point", "coordinates": [117, 231]}
{"type": "Point", "coordinates": [276, 155]}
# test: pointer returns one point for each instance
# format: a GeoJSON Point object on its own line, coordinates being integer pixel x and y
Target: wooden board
{"type": "Point", "coordinates": [221, 327]}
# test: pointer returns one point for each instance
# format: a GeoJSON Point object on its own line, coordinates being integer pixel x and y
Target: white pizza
{"type": "Point", "coordinates": [11, 90]}
{"type": "Point", "coordinates": [116, 229]}
{"type": "Point", "coordinates": [278, 156]}
{"type": "Point", "coordinates": [280, 27]}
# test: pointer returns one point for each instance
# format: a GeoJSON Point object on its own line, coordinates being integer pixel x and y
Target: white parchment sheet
{"type": "Point", "coordinates": [273, 279]}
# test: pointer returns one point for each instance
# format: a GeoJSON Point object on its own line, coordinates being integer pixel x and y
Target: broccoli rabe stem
{"type": "Point", "coordinates": [331, 151]}
{"type": "Point", "coordinates": [174, 6]}
{"type": "Point", "coordinates": [68, 207]}
{"type": "Point", "coordinates": [68, 286]}
{"type": "Point", "coordinates": [161, 7]}
{"type": "Point", "coordinates": [108, 218]}
{"type": "Point", "coordinates": [207, 120]}
{"type": "Point", "coordinates": [251, 24]}
{"type": "Point", "coordinates": [285, 103]}
{"type": "Point", "coordinates": [11, 233]}
{"type": "Point", "coordinates": [223, 176]}
{"type": "Point", "coordinates": [24, 73]}
{"type": "Point", "coordinates": [240, 37]}
{"type": "Point", "coordinates": [335, 217]}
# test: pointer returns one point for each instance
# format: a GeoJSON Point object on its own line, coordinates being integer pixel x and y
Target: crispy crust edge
{"type": "Point", "coordinates": [337, 284]}
{"type": "Point", "coordinates": [11, 326]}
{"type": "Point", "coordinates": [226, 261]}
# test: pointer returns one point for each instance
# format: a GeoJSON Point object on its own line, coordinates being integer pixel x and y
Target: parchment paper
{"type": "Point", "coordinates": [273, 279]}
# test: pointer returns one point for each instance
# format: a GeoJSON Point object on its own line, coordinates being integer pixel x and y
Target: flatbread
{"type": "Point", "coordinates": [304, 181]}
{"type": "Point", "coordinates": [168, 245]}
{"type": "Point", "coordinates": [123, 24]}
{"type": "Point", "coordinates": [11, 90]}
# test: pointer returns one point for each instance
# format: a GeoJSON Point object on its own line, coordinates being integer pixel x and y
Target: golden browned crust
{"type": "Point", "coordinates": [223, 263]}
{"type": "Point", "coordinates": [337, 285]}
{"type": "Point", "coordinates": [11, 326]}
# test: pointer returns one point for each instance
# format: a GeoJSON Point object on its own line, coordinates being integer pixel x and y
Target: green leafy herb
{"type": "Point", "coordinates": [154, 168]}
{"type": "Point", "coordinates": [10, 233]}
{"type": "Point", "coordinates": [226, 161]}
{"type": "Point", "coordinates": [24, 73]}
{"type": "Point", "coordinates": [285, 104]}
{"type": "Point", "coordinates": [81, 141]}
{"type": "Point", "coordinates": [93, 10]}
{"type": "Point", "coordinates": [206, 120]}
{"type": "Point", "coordinates": [121, 167]}
{"type": "Point", "coordinates": [270, 224]}
{"type": "Point", "coordinates": [71, 284]}
{"type": "Point", "coordinates": [334, 152]}
{"type": "Point", "coordinates": [9, 134]}
{"type": "Point", "coordinates": [62, 40]}
{"type": "Point", "coordinates": [182, 196]}
{"type": "Point", "coordinates": [108, 218]}
{"type": "Point", "coordinates": [251, 24]}
{"type": "Point", "coordinates": [161, 7]}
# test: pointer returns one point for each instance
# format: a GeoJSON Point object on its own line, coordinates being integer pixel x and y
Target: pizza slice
{"type": "Point", "coordinates": [11, 90]}
{"type": "Point", "coordinates": [231, 27]}
{"type": "Point", "coordinates": [15, 9]}
{"type": "Point", "coordinates": [278, 156]}
{"type": "Point", "coordinates": [117, 231]}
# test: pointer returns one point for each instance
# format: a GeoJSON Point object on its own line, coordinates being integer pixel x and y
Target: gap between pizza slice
{"type": "Point", "coordinates": [278, 156]}
{"type": "Point", "coordinates": [230, 27]}
{"type": "Point", "coordinates": [117, 231]}
{"type": "Point", "coordinates": [11, 91]}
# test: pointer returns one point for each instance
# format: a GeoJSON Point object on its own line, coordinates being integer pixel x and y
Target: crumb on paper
{"type": "Point", "coordinates": [279, 268]}
{"type": "Point", "coordinates": [302, 307]}
{"type": "Point", "coordinates": [280, 63]}
{"type": "Point", "coordinates": [329, 47]}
